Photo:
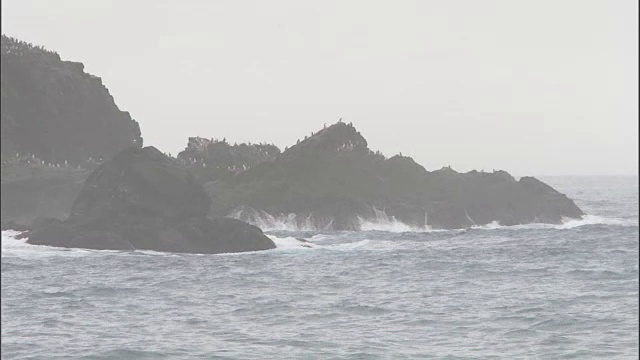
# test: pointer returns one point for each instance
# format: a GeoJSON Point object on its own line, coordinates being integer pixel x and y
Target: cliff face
{"type": "Point", "coordinates": [54, 110]}
{"type": "Point", "coordinates": [333, 180]}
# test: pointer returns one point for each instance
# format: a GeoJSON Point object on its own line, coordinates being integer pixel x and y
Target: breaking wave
{"type": "Point", "coordinates": [385, 223]}
{"type": "Point", "coordinates": [281, 222]}
{"type": "Point", "coordinates": [294, 222]}
{"type": "Point", "coordinates": [290, 242]}
{"type": "Point", "coordinates": [393, 225]}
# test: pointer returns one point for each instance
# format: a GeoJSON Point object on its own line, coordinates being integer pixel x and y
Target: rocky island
{"type": "Point", "coordinates": [143, 200]}
{"type": "Point", "coordinates": [70, 155]}
{"type": "Point", "coordinates": [332, 180]}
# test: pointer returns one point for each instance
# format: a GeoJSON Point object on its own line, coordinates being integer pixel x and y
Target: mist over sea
{"type": "Point", "coordinates": [528, 291]}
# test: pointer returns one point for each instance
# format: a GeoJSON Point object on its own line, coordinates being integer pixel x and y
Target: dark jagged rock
{"type": "Point", "coordinates": [332, 180]}
{"type": "Point", "coordinates": [54, 110]}
{"type": "Point", "coordinates": [142, 199]}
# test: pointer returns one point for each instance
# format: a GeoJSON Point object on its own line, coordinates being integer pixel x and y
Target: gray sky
{"type": "Point", "coordinates": [540, 87]}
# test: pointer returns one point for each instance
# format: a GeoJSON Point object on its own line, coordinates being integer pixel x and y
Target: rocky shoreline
{"type": "Point", "coordinates": [81, 178]}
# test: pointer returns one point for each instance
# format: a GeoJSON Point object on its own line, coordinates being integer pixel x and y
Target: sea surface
{"type": "Point", "coordinates": [391, 292]}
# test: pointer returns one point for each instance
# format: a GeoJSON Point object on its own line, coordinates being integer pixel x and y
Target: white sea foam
{"type": "Point", "coordinates": [350, 245]}
{"type": "Point", "coordinates": [280, 222]}
{"type": "Point", "coordinates": [596, 220]}
{"type": "Point", "coordinates": [368, 244]}
{"type": "Point", "coordinates": [293, 222]}
{"type": "Point", "coordinates": [392, 225]}
{"type": "Point", "coordinates": [290, 243]}
{"type": "Point", "coordinates": [389, 223]}
{"type": "Point", "coordinates": [9, 242]}
{"type": "Point", "coordinates": [12, 247]}
{"type": "Point", "coordinates": [566, 224]}
{"type": "Point", "coordinates": [384, 222]}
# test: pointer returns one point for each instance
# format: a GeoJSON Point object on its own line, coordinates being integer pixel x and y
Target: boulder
{"type": "Point", "coordinates": [143, 200]}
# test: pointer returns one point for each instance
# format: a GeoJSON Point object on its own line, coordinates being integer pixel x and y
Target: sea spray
{"type": "Point", "coordinates": [279, 222]}
{"type": "Point", "coordinates": [381, 221]}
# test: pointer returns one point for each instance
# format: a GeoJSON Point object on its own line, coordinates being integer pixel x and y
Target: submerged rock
{"type": "Point", "coordinates": [142, 199]}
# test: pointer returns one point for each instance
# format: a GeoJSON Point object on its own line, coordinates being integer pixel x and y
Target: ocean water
{"type": "Point", "coordinates": [533, 291]}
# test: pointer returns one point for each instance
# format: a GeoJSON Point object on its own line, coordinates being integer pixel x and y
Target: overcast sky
{"type": "Point", "coordinates": [537, 87]}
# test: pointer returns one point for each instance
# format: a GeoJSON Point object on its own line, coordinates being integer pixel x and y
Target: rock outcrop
{"type": "Point", "coordinates": [214, 159]}
{"type": "Point", "coordinates": [141, 199]}
{"type": "Point", "coordinates": [65, 122]}
{"type": "Point", "coordinates": [54, 110]}
{"type": "Point", "coordinates": [333, 180]}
